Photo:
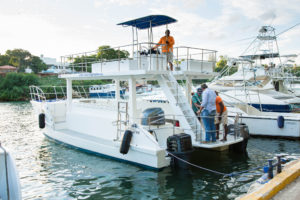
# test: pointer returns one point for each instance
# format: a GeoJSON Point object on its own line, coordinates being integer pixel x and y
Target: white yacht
{"type": "Point", "coordinates": [138, 131]}
{"type": "Point", "coordinates": [260, 79]}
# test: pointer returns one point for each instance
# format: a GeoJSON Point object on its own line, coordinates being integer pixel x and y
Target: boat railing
{"type": "Point", "coordinates": [36, 93]}
{"type": "Point", "coordinates": [234, 130]}
{"type": "Point", "coordinates": [140, 56]}
{"type": "Point", "coordinates": [54, 93]}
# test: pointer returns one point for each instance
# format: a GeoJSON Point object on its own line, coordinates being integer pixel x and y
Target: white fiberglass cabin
{"type": "Point", "coordinates": [134, 130]}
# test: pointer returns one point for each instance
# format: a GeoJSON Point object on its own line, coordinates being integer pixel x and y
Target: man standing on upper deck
{"type": "Point", "coordinates": [167, 43]}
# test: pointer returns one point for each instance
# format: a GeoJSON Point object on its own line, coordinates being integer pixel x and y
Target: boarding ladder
{"type": "Point", "coordinates": [188, 120]}
{"type": "Point", "coordinates": [123, 118]}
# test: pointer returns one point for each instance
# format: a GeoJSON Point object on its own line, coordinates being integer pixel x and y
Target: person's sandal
{"type": "Point", "coordinates": [223, 140]}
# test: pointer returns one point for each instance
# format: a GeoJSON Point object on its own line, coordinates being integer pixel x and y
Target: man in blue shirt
{"type": "Point", "coordinates": [208, 113]}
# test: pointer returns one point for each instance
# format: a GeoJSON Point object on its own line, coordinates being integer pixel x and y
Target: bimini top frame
{"type": "Point", "coordinates": [149, 21]}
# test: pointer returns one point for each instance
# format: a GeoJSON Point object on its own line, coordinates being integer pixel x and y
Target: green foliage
{"type": "Point", "coordinates": [15, 86]}
{"type": "Point", "coordinates": [37, 65]}
{"type": "Point", "coordinates": [295, 70]}
{"type": "Point", "coordinates": [91, 82]}
{"type": "Point", "coordinates": [221, 64]}
{"type": "Point", "coordinates": [107, 53]}
{"type": "Point", "coordinates": [4, 60]}
{"type": "Point", "coordinates": [22, 59]}
{"type": "Point", "coordinates": [51, 81]}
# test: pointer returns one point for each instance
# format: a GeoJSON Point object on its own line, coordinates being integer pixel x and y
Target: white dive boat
{"type": "Point", "coordinates": [135, 130]}
{"type": "Point", "coordinates": [9, 178]}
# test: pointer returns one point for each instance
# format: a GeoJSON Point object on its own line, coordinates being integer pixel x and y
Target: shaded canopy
{"type": "Point", "coordinates": [151, 20]}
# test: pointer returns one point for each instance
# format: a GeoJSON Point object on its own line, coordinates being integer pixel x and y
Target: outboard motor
{"type": "Point", "coordinates": [180, 145]}
{"type": "Point", "coordinates": [242, 130]}
{"type": "Point", "coordinates": [153, 116]}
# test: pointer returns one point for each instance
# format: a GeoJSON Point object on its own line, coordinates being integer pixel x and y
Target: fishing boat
{"type": "Point", "coordinates": [138, 131]}
{"type": "Point", "coordinates": [260, 79]}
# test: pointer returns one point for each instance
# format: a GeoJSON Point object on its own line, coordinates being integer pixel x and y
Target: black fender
{"type": "Point", "coordinates": [42, 120]}
{"type": "Point", "coordinates": [124, 148]}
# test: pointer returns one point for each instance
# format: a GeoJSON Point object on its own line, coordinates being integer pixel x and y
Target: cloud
{"type": "Point", "coordinates": [276, 11]}
{"type": "Point", "coordinates": [99, 3]}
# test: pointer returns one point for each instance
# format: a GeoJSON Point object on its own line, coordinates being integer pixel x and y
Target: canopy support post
{"type": "Point", "coordinates": [69, 93]}
{"type": "Point", "coordinates": [117, 91]}
{"type": "Point", "coordinates": [132, 99]}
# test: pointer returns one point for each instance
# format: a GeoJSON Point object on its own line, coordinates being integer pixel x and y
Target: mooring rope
{"type": "Point", "coordinates": [214, 171]}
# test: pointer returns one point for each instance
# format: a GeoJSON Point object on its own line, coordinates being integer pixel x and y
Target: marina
{"type": "Point", "coordinates": [189, 100]}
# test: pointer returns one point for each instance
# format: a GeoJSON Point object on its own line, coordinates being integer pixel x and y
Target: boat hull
{"type": "Point", "coordinates": [268, 126]}
{"type": "Point", "coordinates": [146, 158]}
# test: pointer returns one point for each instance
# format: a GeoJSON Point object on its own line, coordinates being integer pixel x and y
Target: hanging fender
{"type": "Point", "coordinates": [42, 120]}
{"type": "Point", "coordinates": [124, 148]}
{"type": "Point", "coordinates": [280, 121]}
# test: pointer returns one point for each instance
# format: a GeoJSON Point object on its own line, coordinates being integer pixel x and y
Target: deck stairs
{"type": "Point", "coordinates": [178, 101]}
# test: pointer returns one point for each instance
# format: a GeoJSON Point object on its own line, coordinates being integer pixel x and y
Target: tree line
{"type": "Point", "coordinates": [21, 59]}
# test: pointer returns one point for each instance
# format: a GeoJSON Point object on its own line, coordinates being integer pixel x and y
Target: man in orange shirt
{"type": "Point", "coordinates": [167, 43]}
{"type": "Point", "coordinates": [221, 117]}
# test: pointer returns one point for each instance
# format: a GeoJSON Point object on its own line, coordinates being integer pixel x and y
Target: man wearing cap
{"type": "Point", "coordinates": [208, 113]}
{"type": "Point", "coordinates": [196, 101]}
{"type": "Point", "coordinates": [167, 43]}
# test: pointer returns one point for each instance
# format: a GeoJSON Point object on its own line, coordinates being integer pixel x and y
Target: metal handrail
{"type": "Point", "coordinates": [85, 62]}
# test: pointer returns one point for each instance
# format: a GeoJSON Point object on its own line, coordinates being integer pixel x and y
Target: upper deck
{"type": "Point", "coordinates": [142, 63]}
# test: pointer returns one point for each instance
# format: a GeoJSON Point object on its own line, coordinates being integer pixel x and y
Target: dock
{"type": "Point", "coordinates": [284, 185]}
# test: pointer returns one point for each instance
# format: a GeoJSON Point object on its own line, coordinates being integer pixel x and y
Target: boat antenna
{"type": "Point", "coordinates": [249, 46]}
{"type": "Point", "coordinates": [288, 29]}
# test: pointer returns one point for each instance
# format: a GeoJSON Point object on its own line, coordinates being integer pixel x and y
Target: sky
{"type": "Point", "coordinates": [56, 28]}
